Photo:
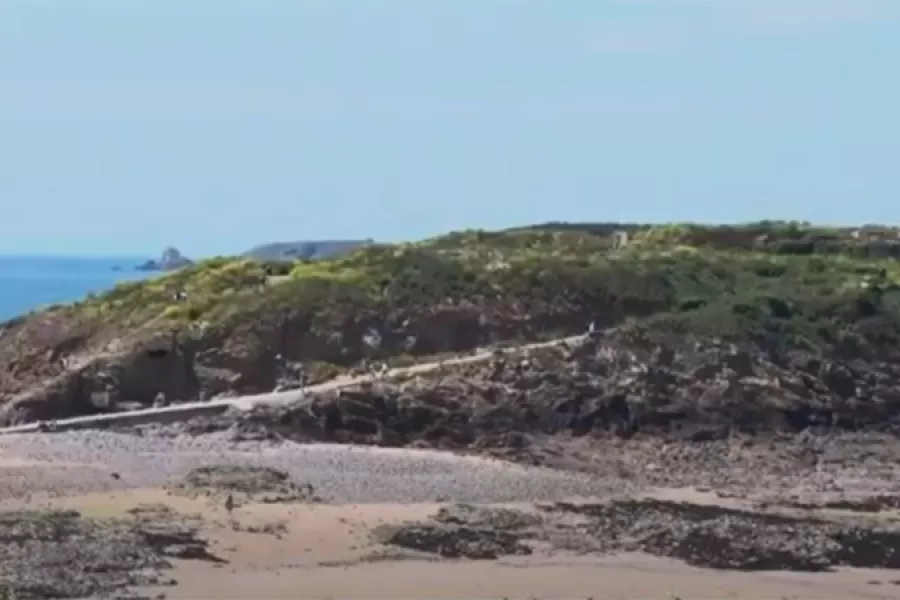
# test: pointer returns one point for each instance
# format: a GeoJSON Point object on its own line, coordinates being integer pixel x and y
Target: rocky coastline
{"type": "Point", "coordinates": [726, 397]}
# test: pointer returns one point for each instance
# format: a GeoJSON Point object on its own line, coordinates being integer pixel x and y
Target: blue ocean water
{"type": "Point", "coordinates": [30, 282]}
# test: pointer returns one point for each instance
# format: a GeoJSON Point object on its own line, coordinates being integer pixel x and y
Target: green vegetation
{"type": "Point", "coordinates": [778, 283]}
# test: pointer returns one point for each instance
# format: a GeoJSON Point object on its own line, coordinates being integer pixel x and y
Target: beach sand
{"type": "Point", "coordinates": [327, 550]}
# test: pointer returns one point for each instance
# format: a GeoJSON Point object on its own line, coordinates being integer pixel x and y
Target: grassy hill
{"type": "Point", "coordinates": [831, 291]}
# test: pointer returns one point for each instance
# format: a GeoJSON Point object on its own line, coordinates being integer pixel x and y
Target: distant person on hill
{"type": "Point", "coordinates": [376, 370]}
{"type": "Point", "coordinates": [279, 367]}
{"type": "Point", "coordinates": [47, 426]}
{"type": "Point", "coordinates": [302, 378]}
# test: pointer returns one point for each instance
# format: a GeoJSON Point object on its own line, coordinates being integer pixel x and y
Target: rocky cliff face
{"type": "Point", "coordinates": [254, 359]}
{"type": "Point", "coordinates": [684, 389]}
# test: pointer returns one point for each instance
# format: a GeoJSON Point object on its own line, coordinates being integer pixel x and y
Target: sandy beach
{"type": "Point", "coordinates": [326, 553]}
{"type": "Point", "coordinates": [334, 547]}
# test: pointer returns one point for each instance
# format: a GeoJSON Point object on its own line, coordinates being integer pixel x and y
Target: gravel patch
{"type": "Point", "coordinates": [338, 473]}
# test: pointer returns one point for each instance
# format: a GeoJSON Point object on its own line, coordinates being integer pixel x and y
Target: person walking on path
{"type": "Point", "coordinates": [229, 508]}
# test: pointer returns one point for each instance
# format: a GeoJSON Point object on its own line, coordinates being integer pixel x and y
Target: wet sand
{"type": "Point", "coordinates": [299, 550]}
{"type": "Point", "coordinates": [326, 552]}
{"type": "Point", "coordinates": [629, 577]}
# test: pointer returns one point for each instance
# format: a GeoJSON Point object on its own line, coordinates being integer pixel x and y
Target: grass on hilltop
{"type": "Point", "coordinates": [806, 286]}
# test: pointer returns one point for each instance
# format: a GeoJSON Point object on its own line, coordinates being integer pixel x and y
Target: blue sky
{"type": "Point", "coordinates": [216, 125]}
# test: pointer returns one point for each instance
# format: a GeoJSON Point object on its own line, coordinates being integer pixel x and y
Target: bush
{"type": "Point", "coordinates": [691, 278]}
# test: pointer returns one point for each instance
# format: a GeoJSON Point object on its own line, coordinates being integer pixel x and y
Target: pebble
{"type": "Point", "coordinates": [87, 461]}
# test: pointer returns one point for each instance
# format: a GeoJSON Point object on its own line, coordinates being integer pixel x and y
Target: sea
{"type": "Point", "coordinates": [31, 282]}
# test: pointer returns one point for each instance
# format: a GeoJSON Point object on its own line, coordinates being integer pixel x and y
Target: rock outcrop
{"type": "Point", "coordinates": [62, 554]}
{"type": "Point", "coordinates": [706, 536]}
{"type": "Point", "coordinates": [694, 390]}
{"type": "Point", "coordinates": [170, 260]}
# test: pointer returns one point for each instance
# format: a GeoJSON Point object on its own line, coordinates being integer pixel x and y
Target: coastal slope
{"type": "Point", "coordinates": [820, 304]}
{"type": "Point", "coordinates": [624, 410]}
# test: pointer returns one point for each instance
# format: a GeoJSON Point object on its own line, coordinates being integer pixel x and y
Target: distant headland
{"type": "Point", "coordinates": [172, 259]}
{"type": "Point", "coordinates": [304, 249]}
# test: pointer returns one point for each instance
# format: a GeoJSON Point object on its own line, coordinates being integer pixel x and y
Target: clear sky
{"type": "Point", "coordinates": [128, 125]}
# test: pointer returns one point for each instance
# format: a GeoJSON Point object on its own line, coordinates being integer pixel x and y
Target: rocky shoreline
{"type": "Point", "coordinates": [705, 536]}
{"type": "Point", "coordinates": [699, 391]}
{"type": "Point", "coordinates": [795, 458]}
{"type": "Point", "coordinates": [773, 446]}
{"type": "Point", "coordinates": [62, 554]}
{"type": "Point", "coordinates": [745, 505]}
